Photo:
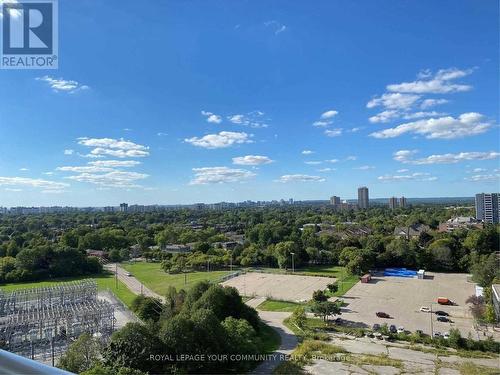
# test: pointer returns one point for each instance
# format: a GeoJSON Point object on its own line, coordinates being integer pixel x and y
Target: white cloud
{"type": "Point", "coordinates": [276, 26]}
{"type": "Point", "coordinates": [253, 119]}
{"type": "Point", "coordinates": [478, 170]}
{"type": "Point", "coordinates": [384, 116]}
{"type": "Point", "coordinates": [428, 103]}
{"type": "Point", "coordinates": [440, 83]}
{"type": "Point", "coordinates": [329, 114]}
{"type": "Point", "coordinates": [417, 176]}
{"type": "Point", "coordinates": [350, 158]}
{"type": "Point", "coordinates": [212, 117]}
{"type": "Point", "coordinates": [313, 162]}
{"type": "Point", "coordinates": [220, 140]}
{"type": "Point", "coordinates": [119, 148]}
{"type": "Point", "coordinates": [321, 123]}
{"type": "Point", "coordinates": [300, 178]}
{"type": "Point", "coordinates": [219, 175]}
{"type": "Point", "coordinates": [32, 182]}
{"type": "Point", "coordinates": [84, 169]}
{"type": "Point", "coordinates": [116, 179]}
{"type": "Point", "coordinates": [448, 127]}
{"type": "Point", "coordinates": [63, 85]}
{"type": "Point", "coordinates": [252, 160]}
{"type": "Point", "coordinates": [24, 169]}
{"type": "Point", "coordinates": [307, 152]}
{"type": "Point", "coordinates": [394, 101]}
{"type": "Point", "coordinates": [161, 134]}
{"type": "Point", "coordinates": [404, 170]}
{"type": "Point", "coordinates": [323, 170]}
{"type": "Point", "coordinates": [406, 156]}
{"type": "Point", "coordinates": [365, 167]}
{"type": "Point", "coordinates": [421, 114]}
{"type": "Point", "coordinates": [332, 160]}
{"type": "Point", "coordinates": [69, 152]}
{"type": "Point", "coordinates": [115, 163]}
{"type": "Point", "coordinates": [333, 132]}
{"type": "Point", "coordinates": [13, 190]}
{"type": "Point", "coordinates": [484, 178]}
{"type": "Point", "coordinates": [354, 130]}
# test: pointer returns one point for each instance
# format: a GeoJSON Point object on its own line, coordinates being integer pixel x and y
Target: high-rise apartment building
{"type": "Point", "coordinates": [123, 207]}
{"type": "Point", "coordinates": [402, 202]}
{"type": "Point", "coordinates": [393, 203]}
{"type": "Point", "coordinates": [487, 207]}
{"type": "Point", "coordinates": [334, 200]}
{"type": "Point", "coordinates": [363, 198]}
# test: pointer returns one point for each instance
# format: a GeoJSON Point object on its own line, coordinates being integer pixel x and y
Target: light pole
{"type": "Point", "coordinates": [293, 265]}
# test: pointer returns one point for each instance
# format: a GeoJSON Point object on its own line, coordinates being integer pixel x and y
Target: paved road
{"type": "Point", "coordinates": [288, 339]}
{"type": "Point", "coordinates": [131, 282]}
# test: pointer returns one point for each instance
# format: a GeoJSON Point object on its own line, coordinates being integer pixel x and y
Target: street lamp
{"type": "Point", "coordinates": [293, 266]}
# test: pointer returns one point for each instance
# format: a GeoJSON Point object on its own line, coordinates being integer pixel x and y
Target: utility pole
{"type": "Point", "coordinates": [432, 327]}
{"type": "Point", "coordinates": [293, 265]}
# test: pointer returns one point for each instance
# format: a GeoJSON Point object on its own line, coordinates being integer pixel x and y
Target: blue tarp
{"type": "Point", "coordinates": [399, 272]}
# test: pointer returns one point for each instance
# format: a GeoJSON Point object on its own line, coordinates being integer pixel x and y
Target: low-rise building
{"type": "Point", "coordinates": [411, 231]}
{"type": "Point", "coordinates": [460, 222]}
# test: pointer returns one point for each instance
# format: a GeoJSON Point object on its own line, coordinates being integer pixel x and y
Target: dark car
{"type": "Point", "coordinates": [376, 327]}
{"type": "Point", "coordinates": [443, 319]}
{"type": "Point", "coordinates": [393, 329]}
{"type": "Point", "coordinates": [382, 314]}
{"type": "Point", "coordinates": [441, 313]}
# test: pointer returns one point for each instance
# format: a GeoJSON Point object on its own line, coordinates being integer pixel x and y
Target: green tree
{"type": "Point", "coordinates": [81, 355]}
{"type": "Point", "coordinates": [299, 317]}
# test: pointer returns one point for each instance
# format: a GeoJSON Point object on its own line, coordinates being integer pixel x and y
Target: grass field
{"type": "Point", "coordinates": [275, 305]}
{"type": "Point", "coordinates": [104, 281]}
{"type": "Point", "coordinates": [153, 276]}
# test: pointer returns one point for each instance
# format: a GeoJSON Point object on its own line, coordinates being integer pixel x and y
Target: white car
{"type": "Point", "coordinates": [425, 309]}
{"type": "Point", "coordinates": [401, 329]}
{"type": "Point", "coordinates": [446, 335]}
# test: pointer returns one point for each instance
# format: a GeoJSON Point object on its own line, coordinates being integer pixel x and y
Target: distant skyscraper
{"type": "Point", "coordinates": [402, 202]}
{"type": "Point", "coordinates": [487, 207]}
{"type": "Point", "coordinates": [393, 203]}
{"type": "Point", "coordinates": [123, 207]}
{"type": "Point", "coordinates": [334, 200]}
{"type": "Point", "coordinates": [363, 199]}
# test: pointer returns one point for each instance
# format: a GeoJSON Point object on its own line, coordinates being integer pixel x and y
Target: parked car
{"type": "Point", "coordinates": [437, 334]}
{"type": "Point", "coordinates": [382, 314]}
{"type": "Point", "coordinates": [446, 335]}
{"type": "Point", "coordinates": [378, 335]}
{"type": "Point", "coordinates": [444, 301]}
{"type": "Point", "coordinates": [442, 319]}
{"type": "Point", "coordinates": [441, 313]}
{"type": "Point", "coordinates": [393, 329]}
{"type": "Point", "coordinates": [425, 309]}
{"type": "Point", "coordinates": [401, 329]}
{"type": "Point", "coordinates": [376, 327]}
{"type": "Point", "coordinates": [128, 274]}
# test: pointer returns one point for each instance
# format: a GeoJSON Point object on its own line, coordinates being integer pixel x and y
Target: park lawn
{"type": "Point", "coordinates": [105, 281]}
{"type": "Point", "coordinates": [156, 279]}
{"type": "Point", "coordinates": [275, 305]}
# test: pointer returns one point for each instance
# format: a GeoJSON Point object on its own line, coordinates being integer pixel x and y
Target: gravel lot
{"type": "Point", "coordinates": [402, 298]}
{"type": "Point", "coordinates": [282, 287]}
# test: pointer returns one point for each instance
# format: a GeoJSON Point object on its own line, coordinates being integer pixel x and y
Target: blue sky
{"type": "Point", "coordinates": [205, 101]}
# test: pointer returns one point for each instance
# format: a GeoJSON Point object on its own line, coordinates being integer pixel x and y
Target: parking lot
{"type": "Point", "coordinates": [402, 298]}
{"type": "Point", "coordinates": [283, 287]}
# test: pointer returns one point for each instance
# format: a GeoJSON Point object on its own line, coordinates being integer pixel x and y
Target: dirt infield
{"type": "Point", "coordinates": [282, 287]}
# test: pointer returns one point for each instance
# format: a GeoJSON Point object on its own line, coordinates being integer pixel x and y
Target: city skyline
{"type": "Point", "coordinates": [297, 102]}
